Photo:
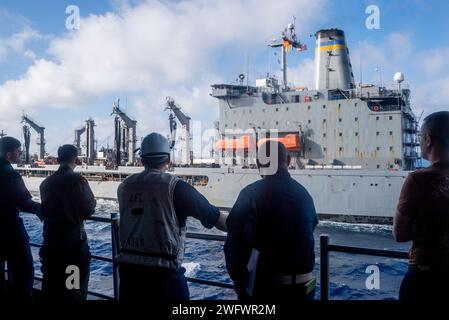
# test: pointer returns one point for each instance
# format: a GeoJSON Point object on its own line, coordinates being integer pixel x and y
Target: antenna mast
{"type": "Point", "coordinates": [288, 41]}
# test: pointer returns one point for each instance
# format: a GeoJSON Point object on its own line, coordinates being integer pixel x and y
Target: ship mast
{"type": "Point", "coordinates": [287, 41]}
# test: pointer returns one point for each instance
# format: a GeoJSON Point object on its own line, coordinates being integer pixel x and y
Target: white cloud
{"type": "Point", "coordinates": [400, 44]}
{"type": "Point", "coordinates": [148, 51]}
{"type": "Point", "coordinates": [303, 74]}
{"type": "Point", "coordinates": [435, 61]}
{"type": "Point", "coordinates": [17, 43]}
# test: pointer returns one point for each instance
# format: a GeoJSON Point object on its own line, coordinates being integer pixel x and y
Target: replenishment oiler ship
{"type": "Point", "coordinates": [352, 145]}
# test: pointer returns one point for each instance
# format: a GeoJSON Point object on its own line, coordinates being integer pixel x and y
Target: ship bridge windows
{"type": "Point", "coordinates": [273, 98]}
{"type": "Point", "coordinates": [338, 94]}
{"type": "Point", "coordinates": [385, 104]}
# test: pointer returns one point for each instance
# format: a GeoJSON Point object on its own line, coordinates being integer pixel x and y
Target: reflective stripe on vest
{"type": "Point", "coordinates": [149, 231]}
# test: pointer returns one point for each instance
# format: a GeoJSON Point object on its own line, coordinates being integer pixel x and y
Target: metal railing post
{"type": "Point", "coordinates": [324, 267]}
{"type": "Point", "coordinates": [115, 249]}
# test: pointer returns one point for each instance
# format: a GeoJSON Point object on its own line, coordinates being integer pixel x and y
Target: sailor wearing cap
{"type": "Point", "coordinates": [154, 206]}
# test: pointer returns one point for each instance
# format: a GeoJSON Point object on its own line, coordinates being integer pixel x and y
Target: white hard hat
{"type": "Point", "coordinates": [154, 145]}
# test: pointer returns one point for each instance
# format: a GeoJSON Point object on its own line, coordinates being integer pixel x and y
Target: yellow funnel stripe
{"type": "Point", "coordinates": [332, 47]}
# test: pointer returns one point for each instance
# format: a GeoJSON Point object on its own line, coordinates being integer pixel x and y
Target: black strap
{"type": "Point", "coordinates": [149, 254]}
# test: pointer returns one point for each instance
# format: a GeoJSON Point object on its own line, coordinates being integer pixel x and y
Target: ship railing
{"type": "Point", "coordinates": [326, 247]}
{"type": "Point", "coordinates": [114, 221]}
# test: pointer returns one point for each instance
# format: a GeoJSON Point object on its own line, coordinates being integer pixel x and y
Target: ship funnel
{"type": "Point", "coordinates": [333, 69]}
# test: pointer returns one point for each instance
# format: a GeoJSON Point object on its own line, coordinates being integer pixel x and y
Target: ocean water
{"type": "Point", "coordinates": [205, 259]}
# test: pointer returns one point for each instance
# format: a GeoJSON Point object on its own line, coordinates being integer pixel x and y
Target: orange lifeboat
{"type": "Point", "coordinates": [291, 141]}
{"type": "Point", "coordinates": [243, 143]}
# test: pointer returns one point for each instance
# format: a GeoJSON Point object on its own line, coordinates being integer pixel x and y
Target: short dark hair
{"type": "Point", "coordinates": [436, 125]}
{"type": "Point", "coordinates": [8, 144]}
{"type": "Point", "coordinates": [67, 153]}
{"type": "Point", "coordinates": [281, 154]}
{"type": "Point", "coordinates": [154, 163]}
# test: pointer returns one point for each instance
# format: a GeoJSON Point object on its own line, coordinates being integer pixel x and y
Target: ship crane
{"type": "Point", "coordinates": [77, 141]}
{"type": "Point", "coordinates": [26, 139]}
{"type": "Point", "coordinates": [176, 113]}
{"type": "Point", "coordinates": [90, 140]}
{"type": "Point", "coordinates": [125, 135]}
{"type": "Point", "coordinates": [40, 131]}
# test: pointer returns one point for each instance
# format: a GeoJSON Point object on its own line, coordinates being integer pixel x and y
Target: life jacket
{"type": "Point", "coordinates": [149, 230]}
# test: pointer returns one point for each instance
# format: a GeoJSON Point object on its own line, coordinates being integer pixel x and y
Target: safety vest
{"type": "Point", "coordinates": [149, 230]}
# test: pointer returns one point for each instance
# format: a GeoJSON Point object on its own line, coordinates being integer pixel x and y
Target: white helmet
{"type": "Point", "coordinates": [154, 146]}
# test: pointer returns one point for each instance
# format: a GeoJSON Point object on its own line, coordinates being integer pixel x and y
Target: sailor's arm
{"type": "Point", "coordinates": [187, 199]}
{"type": "Point", "coordinates": [87, 199]}
{"type": "Point", "coordinates": [24, 199]}
{"type": "Point", "coordinates": [406, 211]}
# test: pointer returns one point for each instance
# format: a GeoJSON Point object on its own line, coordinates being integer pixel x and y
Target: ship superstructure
{"type": "Point", "coordinates": [335, 123]}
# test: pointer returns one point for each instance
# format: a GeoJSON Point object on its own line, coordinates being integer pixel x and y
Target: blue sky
{"type": "Point", "coordinates": [142, 51]}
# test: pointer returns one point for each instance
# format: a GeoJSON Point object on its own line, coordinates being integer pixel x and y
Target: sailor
{"type": "Point", "coordinates": [14, 240]}
{"type": "Point", "coordinates": [67, 201]}
{"type": "Point", "coordinates": [154, 206]}
{"type": "Point", "coordinates": [422, 216]}
{"type": "Point", "coordinates": [270, 245]}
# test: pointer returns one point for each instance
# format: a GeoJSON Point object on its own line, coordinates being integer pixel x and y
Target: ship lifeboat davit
{"type": "Point", "coordinates": [243, 143]}
{"type": "Point", "coordinates": [291, 141]}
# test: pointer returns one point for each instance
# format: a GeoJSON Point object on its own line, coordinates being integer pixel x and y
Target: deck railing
{"type": "Point", "coordinates": [325, 248]}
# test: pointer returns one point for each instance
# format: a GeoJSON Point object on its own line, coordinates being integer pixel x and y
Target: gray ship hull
{"type": "Point", "coordinates": [346, 195]}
